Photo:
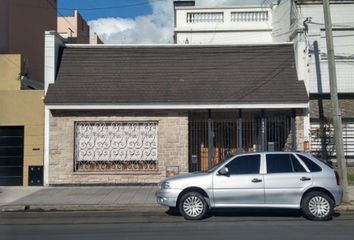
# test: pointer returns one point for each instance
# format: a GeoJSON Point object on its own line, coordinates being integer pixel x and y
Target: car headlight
{"type": "Point", "coordinates": [165, 185]}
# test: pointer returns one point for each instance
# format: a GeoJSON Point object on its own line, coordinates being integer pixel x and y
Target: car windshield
{"type": "Point", "coordinates": [218, 164]}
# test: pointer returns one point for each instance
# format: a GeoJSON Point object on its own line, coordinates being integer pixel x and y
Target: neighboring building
{"type": "Point", "coordinates": [21, 126]}
{"type": "Point", "coordinates": [95, 39]}
{"type": "Point", "coordinates": [221, 25]}
{"type": "Point", "coordinates": [149, 111]}
{"type": "Point", "coordinates": [22, 26]}
{"type": "Point", "coordinates": [76, 30]}
{"type": "Point", "coordinates": [302, 22]}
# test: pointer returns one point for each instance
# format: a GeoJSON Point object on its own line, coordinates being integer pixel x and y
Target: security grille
{"type": "Point", "coordinates": [323, 144]}
{"type": "Point", "coordinates": [115, 146]}
{"type": "Point", "coordinates": [211, 141]}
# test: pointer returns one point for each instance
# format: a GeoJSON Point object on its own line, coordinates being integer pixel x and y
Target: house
{"type": "Point", "coordinates": [21, 89]}
{"type": "Point", "coordinates": [221, 24]}
{"type": "Point", "coordinates": [76, 30]}
{"type": "Point", "coordinates": [118, 114]}
{"type": "Point", "coordinates": [302, 22]}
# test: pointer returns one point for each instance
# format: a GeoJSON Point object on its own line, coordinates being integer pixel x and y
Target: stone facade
{"type": "Point", "coordinates": [299, 126]}
{"type": "Point", "coordinates": [172, 146]}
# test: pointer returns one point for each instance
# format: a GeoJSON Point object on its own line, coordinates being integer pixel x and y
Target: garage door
{"type": "Point", "coordinates": [11, 156]}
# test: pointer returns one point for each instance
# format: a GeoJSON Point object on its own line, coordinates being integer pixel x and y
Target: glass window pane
{"type": "Point", "coordinates": [297, 165]}
{"type": "Point", "coordinates": [244, 165]}
{"type": "Point", "coordinates": [313, 167]}
{"type": "Point", "coordinates": [279, 163]}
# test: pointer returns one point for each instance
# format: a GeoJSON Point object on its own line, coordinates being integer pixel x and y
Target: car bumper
{"type": "Point", "coordinates": [167, 197]}
{"type": "Point", "coordinates": [338, 195]}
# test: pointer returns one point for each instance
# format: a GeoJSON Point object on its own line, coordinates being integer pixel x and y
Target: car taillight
{"type": "Point", "coordinates": [337, 177]}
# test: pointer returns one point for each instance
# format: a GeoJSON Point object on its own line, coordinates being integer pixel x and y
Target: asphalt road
{"type": "Point", "coordinates": [156, 224]}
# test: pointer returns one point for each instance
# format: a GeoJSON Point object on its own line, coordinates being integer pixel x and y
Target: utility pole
{"type": "Point", "coordinates": [337, 119]}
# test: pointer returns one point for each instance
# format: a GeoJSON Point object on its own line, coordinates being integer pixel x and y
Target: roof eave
{"type": "Point", "coordinates": [52, 106]}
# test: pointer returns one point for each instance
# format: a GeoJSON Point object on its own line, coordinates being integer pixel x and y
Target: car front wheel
{"type": "Point", "coordinates": [193, 206]}
{"type": "Point", "coordinates": [317, 206]}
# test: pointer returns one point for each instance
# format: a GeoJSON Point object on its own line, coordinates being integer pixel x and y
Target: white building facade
{"type": "Point", "coordinates": [221, 25]}
{"type": "Point", "coordinates": [302, 22]}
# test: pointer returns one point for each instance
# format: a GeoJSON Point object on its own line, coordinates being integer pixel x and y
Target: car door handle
{"type": "Point", "coordinates": [305, 179]}
{"type": "Point", "coordinates": [256, 180]}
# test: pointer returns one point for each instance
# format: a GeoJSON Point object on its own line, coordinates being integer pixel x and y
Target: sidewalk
{"type": "Point", "coordinates": [87, 198]}
{"type": "Point", "coordinates": [76, 198]}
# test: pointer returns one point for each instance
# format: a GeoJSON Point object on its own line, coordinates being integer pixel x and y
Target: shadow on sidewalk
{"type": "Point", "coordinates": [249, 212]}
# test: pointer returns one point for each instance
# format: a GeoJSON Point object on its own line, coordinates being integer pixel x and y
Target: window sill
{"type": "Point", "coordinates": [118, 173]}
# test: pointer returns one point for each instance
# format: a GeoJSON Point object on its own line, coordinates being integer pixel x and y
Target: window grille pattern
{"type": "Point", "coordinates": [249, 16]}
{"type": "Point", "coordinates": [115, 146]}
{"type": "Point", "coordinates": [208, 17]}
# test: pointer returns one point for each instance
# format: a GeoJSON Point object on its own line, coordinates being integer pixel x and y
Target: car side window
{"type": "Point", "coordinates": [283, 163]}
{"type": "Point", "coordinates": [313, 167]}
{"type": "Point", "coordinates": [249, 164]}
{"type": "Point", "coordinates": [297, 165]}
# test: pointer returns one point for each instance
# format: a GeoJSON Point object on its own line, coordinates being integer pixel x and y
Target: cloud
{"type": "Point", "coordinates": [156, 27]}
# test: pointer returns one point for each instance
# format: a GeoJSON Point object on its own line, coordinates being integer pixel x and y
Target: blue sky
{"type": "Point", "coordinates": [115, 8]}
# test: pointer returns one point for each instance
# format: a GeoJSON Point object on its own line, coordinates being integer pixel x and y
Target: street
{"type": "Point", "coordinates": [157, 224]}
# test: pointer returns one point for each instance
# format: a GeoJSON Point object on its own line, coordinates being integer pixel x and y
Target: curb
{"type": "Point", "coordinates": [345, 208]}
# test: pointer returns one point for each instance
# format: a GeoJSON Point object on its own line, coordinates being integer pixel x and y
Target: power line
{"type": "Point", "coordinates": [56, 9]}
{"type": "Point", "coordinates": [112, 7]}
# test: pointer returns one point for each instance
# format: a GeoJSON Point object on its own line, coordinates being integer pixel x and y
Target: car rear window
{"type": "Point", "coordinates": [313, 167]}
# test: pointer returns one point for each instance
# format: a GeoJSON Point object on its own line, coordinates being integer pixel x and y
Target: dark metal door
{"type": "Point", "coordinates": [11, 156]}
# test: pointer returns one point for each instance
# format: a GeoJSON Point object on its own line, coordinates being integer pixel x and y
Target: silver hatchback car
{"type": "Point", "coordinates": [263, 180]}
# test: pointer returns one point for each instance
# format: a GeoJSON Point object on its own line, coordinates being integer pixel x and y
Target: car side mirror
{"type": "Point", "coordinates": [224, 171]}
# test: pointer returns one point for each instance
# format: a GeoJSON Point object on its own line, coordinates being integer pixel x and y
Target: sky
{"type": "Point", "coordinates": [133, 21]}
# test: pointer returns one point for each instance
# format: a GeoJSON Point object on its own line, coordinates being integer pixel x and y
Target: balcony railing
{"type": "Point", "coordinates": [210, 17]}
{"type": "Point", "coordinates": [249, 16]}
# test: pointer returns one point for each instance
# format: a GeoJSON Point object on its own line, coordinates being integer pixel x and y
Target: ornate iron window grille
{"type": "Point", "coordinates": [116, 146]}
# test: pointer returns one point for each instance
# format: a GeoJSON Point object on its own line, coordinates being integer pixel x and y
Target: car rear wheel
{"type": "Point", "coordinates": [193, 206]}
{"type": "Point", "coordinates": [317, 206]}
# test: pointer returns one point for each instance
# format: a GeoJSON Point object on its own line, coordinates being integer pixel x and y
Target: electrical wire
{"type": "Point", "coordinates": [112, 7]}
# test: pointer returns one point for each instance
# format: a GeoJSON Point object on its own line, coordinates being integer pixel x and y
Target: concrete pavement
{"type": "Point", "coordinates": [86, 198]}
{"type": "Point", "coordinates": [76, 198]}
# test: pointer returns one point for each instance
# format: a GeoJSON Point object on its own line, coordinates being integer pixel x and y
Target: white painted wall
{"type": "Point", "coordinates": [343, 31]}
{"type": "Point", "coordinates": [224, 37]}
{"type": "Point", "coordinates": [281, 21]}
{"type": "Point", "coordinates": [52, 43]}
{"type": "Point", "coordinates": [345, 76]}
{"type": "Point", "coordinates": [225, 31]}
{"type": "Point", "coordinates": [343, 20]}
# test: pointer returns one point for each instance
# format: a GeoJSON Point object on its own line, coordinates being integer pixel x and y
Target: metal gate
{"type": "Point", "coordinates": [211, 141]}
{"type": "Point", "coordinates": [323, 143]}
{"type": "Point", "coordinates": [11, 156]}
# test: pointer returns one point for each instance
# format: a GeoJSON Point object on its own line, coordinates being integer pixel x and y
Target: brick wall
{"type": "Point", "coordinates": [172, 146]}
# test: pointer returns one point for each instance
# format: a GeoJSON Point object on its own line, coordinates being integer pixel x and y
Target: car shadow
{"type": "Point", "coordinates": [249, 212]}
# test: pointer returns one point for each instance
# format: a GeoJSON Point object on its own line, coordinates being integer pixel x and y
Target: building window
{"type": "Point", "coordinates": [115, 146]}
{"type": "Point", "coordinates": [207, 17]}
{"type": "Point", "coordinates": [249, 16]}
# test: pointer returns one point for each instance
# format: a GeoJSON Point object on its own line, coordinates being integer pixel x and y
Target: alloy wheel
{"type": "Point", "coordinates": [319, 206]}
